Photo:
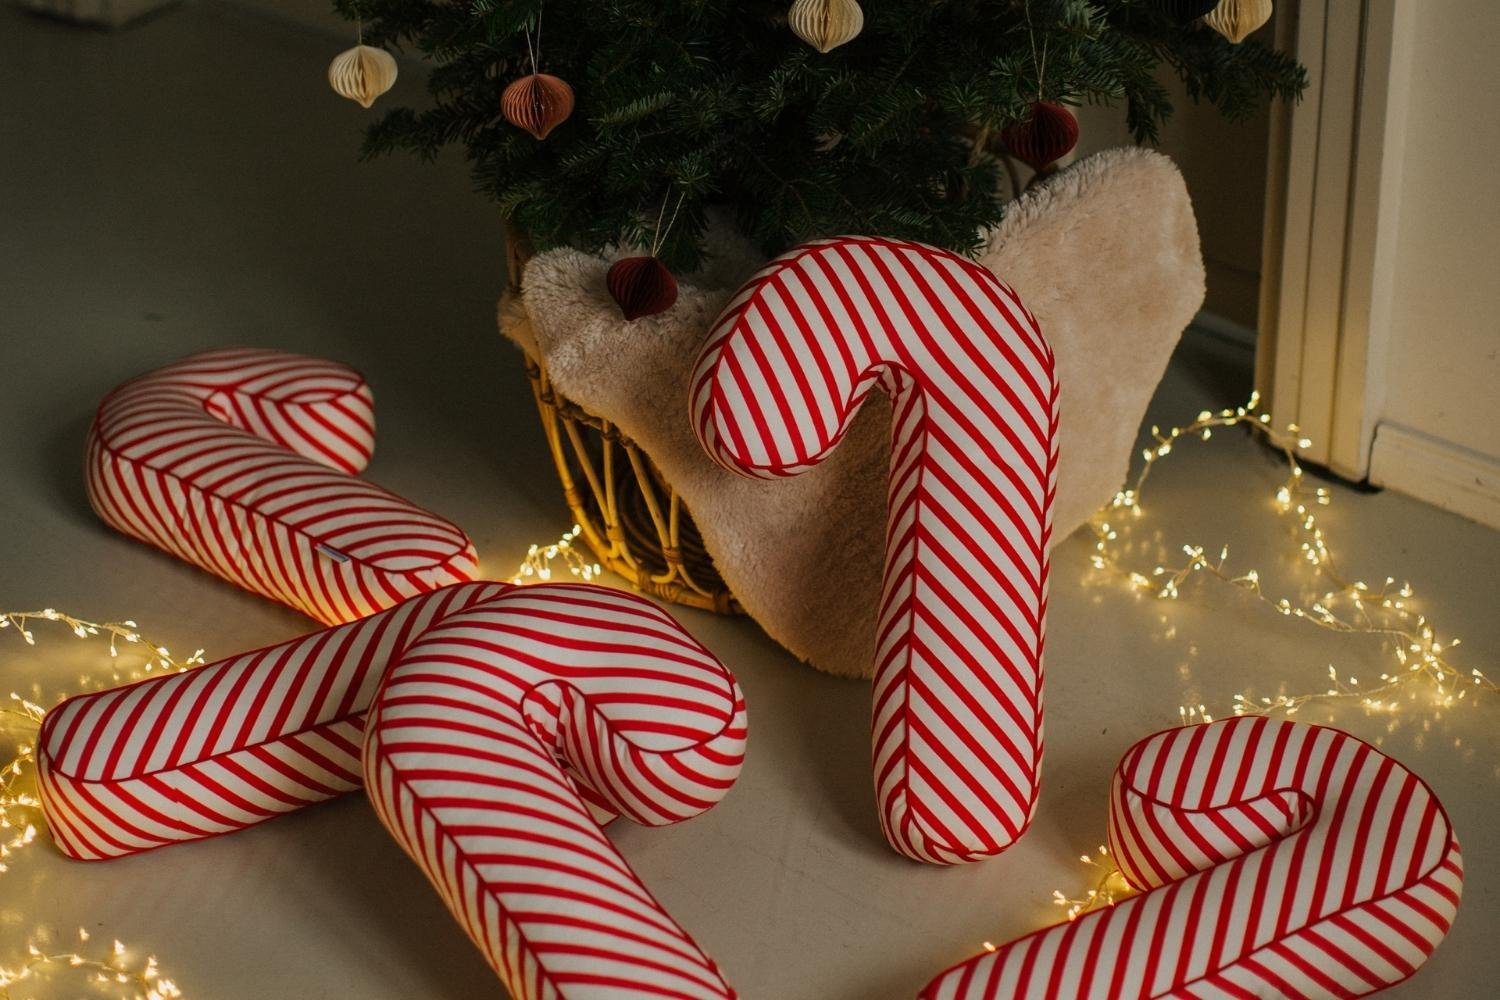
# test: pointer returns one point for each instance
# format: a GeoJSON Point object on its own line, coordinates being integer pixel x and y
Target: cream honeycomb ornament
{"type": "Point", "coordinates": [1236, 19]}
{"type": "Point", "coordinates": [362, 74]}
{"type": "Point", "coordinates": [826, 24]}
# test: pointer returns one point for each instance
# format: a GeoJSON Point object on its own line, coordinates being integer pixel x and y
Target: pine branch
{"type": "Point", "coordinates": [718, 103]}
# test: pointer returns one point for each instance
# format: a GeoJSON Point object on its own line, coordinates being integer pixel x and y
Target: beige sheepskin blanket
{"type": "Point", "coordinates": [1105, 253]}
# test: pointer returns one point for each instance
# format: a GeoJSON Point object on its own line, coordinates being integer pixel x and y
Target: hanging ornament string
{"type": "Point", "coordinates": [982, 135]}
{"type": "Point", "coordinates": [362, 73]}
{"type": "Point", "coordinates": [643, 285]}
{"type": "Point", "coordinates": [659, 236]}
{"type": "Point", "coordinates": [1038, 63]}
{"type": "Point", "coordinates": [539, 102]}
{"type": "Point", "coordinates": [1050, 130]}
{"type": "Point", "coordinates": [531, 49]}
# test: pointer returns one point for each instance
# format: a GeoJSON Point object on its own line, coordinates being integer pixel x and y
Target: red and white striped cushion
{"type": "Point", "coordinates": [958, 699]}
{"type": "Point", "coordinates": [213, 750]}
{"type": "Point", "coordinates": [510, 720]}
{"type": "Point", "coordinates": [242, 462]}
{"type": "Point", "coordinates": [461, 762]}
{"type": "Point", "coordinates": [1281, 860]}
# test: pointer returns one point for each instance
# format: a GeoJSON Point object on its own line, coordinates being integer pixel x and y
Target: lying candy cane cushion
{"type": "Point", "coordinates": [221, 747]}
{"type": "Point", "coordinates": [461, 763]}
{"type": "Point", "coordinates": [242, 462]}
{"type": "Point", "coordinates": [213, 750]}
{"type": "Point", "coordinates": [1278, 860]}
{"type": "Point", "coordinates": [509, 722]}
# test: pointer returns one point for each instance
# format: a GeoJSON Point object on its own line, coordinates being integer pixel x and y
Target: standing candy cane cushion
{"type": "Point", "coordinates": [1278, 860]}
{"type": "Point", "coordinates": [242, 462]}
{"type": "Point", "coordinates": [508, 722]}
{"type": "Point", "coordinates": [958, 674]}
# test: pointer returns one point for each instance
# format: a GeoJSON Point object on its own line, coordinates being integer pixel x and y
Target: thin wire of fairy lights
{"type": "Point", "coordinates": [537, 566]}
{"type": "Point", "coordinates": [1421, 671]}
{"type": "Point", "coordinates": [116, 971]}
{"type": "Point", "coordinates": [1421, 659]}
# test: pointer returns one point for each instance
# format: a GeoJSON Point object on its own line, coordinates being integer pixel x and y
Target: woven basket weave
{"type": "Point", "coordinates": [630, 516]}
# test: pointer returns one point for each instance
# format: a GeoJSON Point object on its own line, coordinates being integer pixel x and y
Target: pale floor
{"type": "Point", "coordinates": [192, 183]}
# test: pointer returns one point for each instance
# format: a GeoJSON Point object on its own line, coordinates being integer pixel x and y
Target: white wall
{"type": "Point", "coordinates": [1438, 427]}
{"type": "Point", "coordinates": [1224, 165]}
{"type": "Point", "coordinates": [317, 15]}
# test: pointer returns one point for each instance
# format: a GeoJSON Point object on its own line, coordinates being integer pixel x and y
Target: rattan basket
{"type": "Point", "coordinates": [629, 515]}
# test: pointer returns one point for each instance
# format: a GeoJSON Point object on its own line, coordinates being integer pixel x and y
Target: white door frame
{"type": "Point", "coordinates": [1331, 224]}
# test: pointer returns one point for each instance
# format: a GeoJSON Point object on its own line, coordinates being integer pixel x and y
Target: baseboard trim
{"type": "Point", "coordinates": [1436, 471]}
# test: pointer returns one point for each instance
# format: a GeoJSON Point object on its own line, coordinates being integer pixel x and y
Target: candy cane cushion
{"type": "Point", "coordinates": [212, 750]}
{"type": "Point", "coordinates": [239, 741]}
{"type": "Point", "coordinates": [242, 462]}
{"type": "Point", "coordinates": [957, 739]}
{"type": "Point", "coordinates": [461, 762]}
{"type": "Point", "coordinates": [1279, 860]}
{"type": "Point", "coordinates": [509, 721]}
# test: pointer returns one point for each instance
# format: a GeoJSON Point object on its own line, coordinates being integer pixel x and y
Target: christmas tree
{"type": "Point", "coordinates": [684, 107]}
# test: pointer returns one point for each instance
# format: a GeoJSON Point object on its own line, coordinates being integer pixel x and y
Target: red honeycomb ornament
{"type": "Point", "coordinates": [641, 286]}
{"type": "Point", "coordinates": [1049, 134]}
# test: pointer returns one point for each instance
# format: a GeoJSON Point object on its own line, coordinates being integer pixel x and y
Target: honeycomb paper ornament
{"type": "Point", "coordinates": [1184, 11]}
{"type": "Point", "coordinates": [1048, 135]}
{"type": "Point", "coordinates": [362, 74]}
{"type": "Point", "coordinates": [826, 24]}
{"type": "Point", "coordinates": [641, 286]}
{"type": "Point", "coordinates": [1236, 19]}
{"type": "Point", "coordinates": [537, 103]}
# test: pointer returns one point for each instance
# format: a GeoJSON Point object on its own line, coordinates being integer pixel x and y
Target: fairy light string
{"type": "Point", "coordinates": [20, 720]}
{"type": "Point", "coordinates": [537, 567]}
{"type": "Point", "coordinates": [1422, 669]}
{"type": "Point", "coordinates": [113, 973]}
{"type": "Point", "coordinates": [1420, 672]}
{"type": "Point", "coordinates": [1109, 886]}
{"type": "Point", "coordinates": [1421, 665]}
{"type": "Point", "coordinates": [21, 717]}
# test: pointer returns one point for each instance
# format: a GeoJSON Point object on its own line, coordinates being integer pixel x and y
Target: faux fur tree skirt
{"type": "Point", "coordinates": [1104, 253]}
